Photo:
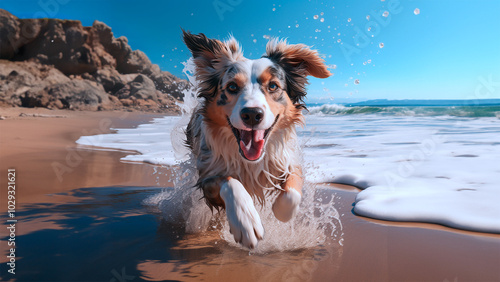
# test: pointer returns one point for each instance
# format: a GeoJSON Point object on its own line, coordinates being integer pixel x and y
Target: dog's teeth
{"type": "Point", "coordinates": [245, 146]}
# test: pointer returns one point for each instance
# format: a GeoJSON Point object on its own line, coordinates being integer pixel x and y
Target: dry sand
{"type": "Point", "coordinates": [100, 234]}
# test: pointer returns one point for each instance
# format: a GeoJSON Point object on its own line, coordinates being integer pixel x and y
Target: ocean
{"type": "Point", "coordinates": [425, 164]}
{"type": "Point", "coordinates": [433, 161]}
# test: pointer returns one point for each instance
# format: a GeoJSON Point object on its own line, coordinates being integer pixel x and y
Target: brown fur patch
{"type": "Point", "coordinates": [240, 79]}
{"type": "Point", "coordinates": [265, 77]}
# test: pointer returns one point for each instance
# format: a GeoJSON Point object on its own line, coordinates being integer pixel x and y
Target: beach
{"type": "Point", "coordinates": [81, 216]}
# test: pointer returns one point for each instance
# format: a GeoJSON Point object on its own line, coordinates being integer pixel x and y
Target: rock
{"type": "Point", "coordinates": [43, 62]}
{"type": "Point", "coordinates": [140, 88]}
{"type": "Point", "coordinates": [80, 94]}
{"type": "Point", "coordinates": [170, 84]}
{"type": "Point", "coordinates": [9, 34]}
{"type": "Point", "coordinates": [135, 62]}
{"type": "Point", "coordinates": [74, 94]}
{"type": "Point", "coordinates": [110, 79]}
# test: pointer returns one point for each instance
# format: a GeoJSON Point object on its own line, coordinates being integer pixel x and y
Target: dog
{"type": "Point", "coordinates": [243, 134]}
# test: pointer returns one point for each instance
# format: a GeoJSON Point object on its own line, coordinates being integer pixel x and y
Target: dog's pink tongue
{"type": "Point", "coordinates": [252, 143]}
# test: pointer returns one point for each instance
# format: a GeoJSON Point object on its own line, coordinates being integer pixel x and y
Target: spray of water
{"type": "Point", "coordinates": [317, 222]}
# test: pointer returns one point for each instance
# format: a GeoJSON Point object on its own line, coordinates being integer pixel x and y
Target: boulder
{"type": "Point", "coordinates": [141, 88]}
{"type": "Point", "coordinates": [45, 61]}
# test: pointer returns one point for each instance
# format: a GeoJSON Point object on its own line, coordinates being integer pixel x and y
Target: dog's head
{"type": "Point", "coordinates": [253, 97]}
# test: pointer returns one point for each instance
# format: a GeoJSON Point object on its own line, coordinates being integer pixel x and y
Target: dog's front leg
{"type": "Point", "coordinates": [287, 203]}
{"type": "Point", "coordinates": [244, 221]}
{"type": "Point", "coordinates": [243, 218]}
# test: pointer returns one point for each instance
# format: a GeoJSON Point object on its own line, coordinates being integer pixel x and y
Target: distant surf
{"type": "Point", "coordinates": [455, 111]}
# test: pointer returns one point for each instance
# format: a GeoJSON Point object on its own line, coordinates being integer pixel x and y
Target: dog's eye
{"type": "Point", "coordinates": [232, 87]}
{"type": "Point", "coordinates": [272, 86]}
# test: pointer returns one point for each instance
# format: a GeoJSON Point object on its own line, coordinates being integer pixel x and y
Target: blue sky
{"type": "Point", "coordinates": [450, 50]}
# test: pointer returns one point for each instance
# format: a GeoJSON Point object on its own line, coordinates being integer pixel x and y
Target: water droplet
{"type": "Point", "coordinates": [266, 36]}
{"type": "Point", "coordinates": [163, 56]}
{"type": "Point", "coordinates": [368, 17]}
{"type": "Point", "coordinates": [369, 28]}
{"type": "Point", "coordinates": [356, 81]}
{"type": "Point", "coordinates": [315, 17]}
{"type": "Point", "coordinates": [321, 13]}
{"type": "Point", "coordinates": [274, 9]}
{"type": "Point", "coordinates": [297, 25]}
{"type": "Point", "coordinates": [381, 45]}
{"type": "Point", "coordinates": [338, 40]}
{"type": "Point", "coordinates": [317, 30]}
{"type": "Point", "coordinates": [385, 14]}
{"type": "Point", "coordinates": [369, 61]}
{"type": "Point", "coordinates": [349, 20]}
{"type": "Point", "coordinates": [416, 11]}
{"type": "Point", "coordinates": [322, 20]}
{"type": "Point", "coordinates": [255, 41]}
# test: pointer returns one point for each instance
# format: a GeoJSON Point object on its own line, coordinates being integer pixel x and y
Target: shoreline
{"type": "Point", "coordinates": [373, 250]}
{"type": "Point", "coordinates": [42, 149]}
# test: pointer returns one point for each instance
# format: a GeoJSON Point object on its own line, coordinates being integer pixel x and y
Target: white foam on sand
{"type": "Point", "coordinates": [443, 170]}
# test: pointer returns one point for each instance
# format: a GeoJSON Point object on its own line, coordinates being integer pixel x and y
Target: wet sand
{"type": "Point", "coordinates": [81, 218]}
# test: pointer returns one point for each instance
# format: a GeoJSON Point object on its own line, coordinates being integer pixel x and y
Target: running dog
{"type": "Point", "coordinates": [243, 133]}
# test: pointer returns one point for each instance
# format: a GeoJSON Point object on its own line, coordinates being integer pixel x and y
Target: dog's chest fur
{"type": "Point", "coordinates": [217, 154]}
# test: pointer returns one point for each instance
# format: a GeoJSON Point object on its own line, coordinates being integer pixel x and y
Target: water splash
{"type": "Point", "coordinates": [316, 223]}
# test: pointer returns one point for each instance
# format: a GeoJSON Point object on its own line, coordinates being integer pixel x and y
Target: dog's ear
{"type": "Point", "coordinates": [206, 54]}
{"type": "Point", "coordinates": [204, 50]}
{"type": "Point", "coordinates": [298, 61]}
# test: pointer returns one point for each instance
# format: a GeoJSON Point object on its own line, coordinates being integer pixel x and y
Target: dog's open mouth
{"type": "Point", "coordinates": [252, 142]}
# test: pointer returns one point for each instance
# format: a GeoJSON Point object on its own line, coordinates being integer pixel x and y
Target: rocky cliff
{"type": "Point", "coordinates": [61, 64]}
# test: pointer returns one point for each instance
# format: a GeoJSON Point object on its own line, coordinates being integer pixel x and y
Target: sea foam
{"type": "Point", "coordinates": [441, 169]}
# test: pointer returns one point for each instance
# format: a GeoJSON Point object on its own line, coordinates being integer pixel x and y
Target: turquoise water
{"type": "Point", "coordinates": [455, 111]}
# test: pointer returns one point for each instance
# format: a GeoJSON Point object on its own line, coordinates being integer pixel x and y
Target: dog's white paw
{"type": "Point", "coordinates": [244, 221]}
{"type": "Point", "coordinates": [286, 205]}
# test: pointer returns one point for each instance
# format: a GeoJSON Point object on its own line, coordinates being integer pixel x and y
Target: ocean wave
{"type": "Point", "coordinates": [455, 111]}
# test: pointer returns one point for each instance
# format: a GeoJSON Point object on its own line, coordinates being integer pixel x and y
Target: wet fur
{"type": "Point", "coordinates": [209, 135]}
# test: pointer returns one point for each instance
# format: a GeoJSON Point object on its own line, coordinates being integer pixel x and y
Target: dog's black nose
{"type": "Point", "coordinates": [252, 116]}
